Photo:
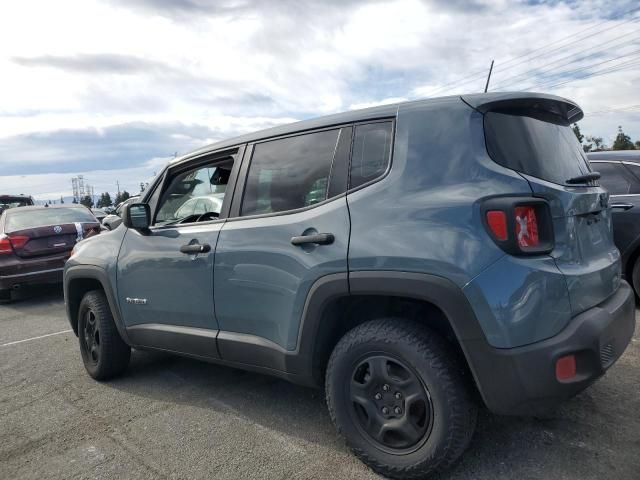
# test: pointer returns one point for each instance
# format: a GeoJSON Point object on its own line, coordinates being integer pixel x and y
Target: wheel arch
{"type": "Point", "coordinates": [331, 311]}
{"type": "Point", "coordinates": [80, 279]}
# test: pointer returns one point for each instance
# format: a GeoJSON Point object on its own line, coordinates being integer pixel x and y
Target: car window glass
{"type": "Point", "coordinates": [613, 178]}
{"type": "Point", "coordinates": [198, 191]}
{"type": "Point", "coordinates": [289, 173]}
{"type": "Point", "coordinates": [635, 177]}
{"type": "Point", "coordinates": [20, 219]}
{"type": "Point", "coordinates": [371, 152]}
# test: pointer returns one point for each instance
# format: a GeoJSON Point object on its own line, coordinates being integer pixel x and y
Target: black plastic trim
{"type": "Point", "coordinates": [93, 272]}
{"type": "Point", "coordinates": [199, 342]}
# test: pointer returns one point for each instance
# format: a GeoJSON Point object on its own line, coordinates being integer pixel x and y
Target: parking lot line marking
{"type": "Point", "coordinates": [35, 338]}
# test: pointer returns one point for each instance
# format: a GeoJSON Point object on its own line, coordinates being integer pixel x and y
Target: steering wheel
{"type": "Point", "coordinates": [207, 216]}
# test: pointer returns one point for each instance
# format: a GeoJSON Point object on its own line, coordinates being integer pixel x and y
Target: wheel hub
{"type": "Point", "coordinates": [390, 403]}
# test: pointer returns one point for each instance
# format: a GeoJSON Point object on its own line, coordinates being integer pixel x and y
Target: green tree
{"type": "Point", "coordinates": [623, 141]}
{"type": "Point", "coordinates": [87, 201]}
{"type": "Point", "coordinates": [121, 197]}
{"type": "Point", "coordinates": [576, 130]}
{"type": "Point", "coordinates": [61, 200]}
{"type": "Point", "coordinates": [104, 200]}
{"type": "Point", "coordinates": [594, 144]}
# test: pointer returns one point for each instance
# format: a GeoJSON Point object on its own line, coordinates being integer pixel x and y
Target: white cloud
{"type": "Point", "coordinates": [235, 66]}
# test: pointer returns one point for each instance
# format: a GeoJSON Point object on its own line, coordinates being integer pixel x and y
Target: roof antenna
{"type": "Point", "coordinates": [486, 87]}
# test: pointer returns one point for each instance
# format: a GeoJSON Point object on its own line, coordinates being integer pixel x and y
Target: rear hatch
{"type": "Point", "coordinates": [532, 135]}
{"type": "Point", "coordinates": [48, 231]}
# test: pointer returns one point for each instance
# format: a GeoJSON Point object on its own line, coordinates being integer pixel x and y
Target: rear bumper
{"type": "Point", "coordinates": [523, 380]}
{"type": "Point", "coordinates": [30, 271]}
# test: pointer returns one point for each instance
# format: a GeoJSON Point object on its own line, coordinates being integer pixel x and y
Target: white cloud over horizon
{"type": "Point", "coordinates": [102, 87]}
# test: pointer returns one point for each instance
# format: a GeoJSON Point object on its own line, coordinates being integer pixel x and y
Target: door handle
{"type": "Point", "coordinates": [318, 238]}
{"type": "Point", "coordinates": [195, 248]}
{"type": "Point", "coordinates": [622, 206]}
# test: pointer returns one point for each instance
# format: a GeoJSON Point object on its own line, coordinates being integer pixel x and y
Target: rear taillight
{"type": "Point", "coordinates": [519, 225]}
{"type": "Point", "coordinates": [527, 227]}
{"type": "Point", "coordinates": [7, 244]}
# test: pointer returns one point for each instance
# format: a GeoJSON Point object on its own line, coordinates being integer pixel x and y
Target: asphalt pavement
{"type": "Point", "coordinates": [171, 417]}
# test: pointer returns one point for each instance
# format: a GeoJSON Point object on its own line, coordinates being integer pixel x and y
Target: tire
{"type": "Point", "coordinates": [5, 296]}
{"type": "Point", "coordinates": [104, 353]}
{"type": "Point", "coordinates": [440, 421]}
{"type": "Point", "coordinates": [635, 278]}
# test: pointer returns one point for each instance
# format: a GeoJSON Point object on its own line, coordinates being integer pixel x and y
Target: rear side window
{"type": "Point", "coordinates": [534, 146]}
{"type": "Point", "coordinates": [20, 219]}
{"type": "Point", "coordinates": [289, 173]}
{"type": "Point", "coordinates": [371, 152]}
{"type": "Point", "coordinates": [615, 179]}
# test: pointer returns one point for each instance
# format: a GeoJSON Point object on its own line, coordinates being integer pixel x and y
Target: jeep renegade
{"type": "Point", "coordinates": [414, 260]}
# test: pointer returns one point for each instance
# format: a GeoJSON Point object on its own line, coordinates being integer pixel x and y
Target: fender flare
{"type": "Point", "coordinates": [93, 272]}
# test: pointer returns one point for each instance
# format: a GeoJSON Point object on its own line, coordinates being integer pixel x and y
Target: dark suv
{"type": "Point", "coordinates": [413, 259]}
{"type": "Point", "coordinates": [620, 175]}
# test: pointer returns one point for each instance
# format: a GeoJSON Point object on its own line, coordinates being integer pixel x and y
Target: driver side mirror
{"type": "Point", "coordinates": [136, 216]}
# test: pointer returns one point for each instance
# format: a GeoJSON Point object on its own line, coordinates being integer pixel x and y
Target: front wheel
{"type": "Point", "coordinates": [104, 353]}
{"type": "Point", "coordinates": [395, 392]}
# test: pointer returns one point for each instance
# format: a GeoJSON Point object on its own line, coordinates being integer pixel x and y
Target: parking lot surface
{"type": "Point", "coordinates": [170, 417]}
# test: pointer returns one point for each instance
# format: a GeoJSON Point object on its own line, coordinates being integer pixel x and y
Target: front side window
{"type": "Point", "coordinates": [195, 195]}
{"type": "Point", "coordinates": [289, 173]}
{"type": "Point", "coordinates": [371, 152]}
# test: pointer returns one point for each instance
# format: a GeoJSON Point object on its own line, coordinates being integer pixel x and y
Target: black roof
{"type": "Point", "coordinates": [619, 155]}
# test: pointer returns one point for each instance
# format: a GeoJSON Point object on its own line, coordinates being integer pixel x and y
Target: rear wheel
{"type": "Point", "coordinates": [104, 353]}
{"type": "Point", "coordinates": [396, 393]}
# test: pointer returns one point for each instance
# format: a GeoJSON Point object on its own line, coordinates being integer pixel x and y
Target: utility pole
{"type": "Point", "coordinates": [118, 184]}
{"type": "Point", "coordinates": [486, 87]}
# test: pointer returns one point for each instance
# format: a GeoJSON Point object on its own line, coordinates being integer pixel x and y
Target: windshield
{"type": "Point", "coordinates": [535, 146]}
{"type": "Point", "coordinates": [21, 219]}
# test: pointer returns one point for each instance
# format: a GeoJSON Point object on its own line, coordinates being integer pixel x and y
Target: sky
{"type": "Point", "coordinates": [113, 89]}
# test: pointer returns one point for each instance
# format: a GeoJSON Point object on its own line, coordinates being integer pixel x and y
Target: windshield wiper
{"type": "Point", "coordinates": [586, 178]}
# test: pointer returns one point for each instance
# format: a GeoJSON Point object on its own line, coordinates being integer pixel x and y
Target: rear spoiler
{"type": "Point", "coordinates": [565, 109]}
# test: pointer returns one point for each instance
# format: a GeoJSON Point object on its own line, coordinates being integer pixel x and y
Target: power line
{"type": "Point", "coordinates": [612, 69]}
{"type": "Point", "coordinates": [534, 71]}
{"type": "Point", "coordinates": [501, 67]}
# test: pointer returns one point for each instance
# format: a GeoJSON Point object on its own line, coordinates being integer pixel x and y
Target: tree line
{"type": "Point", "coordinates": [104, 200]}
{"type": "Point", "coordinates": [596, 144]}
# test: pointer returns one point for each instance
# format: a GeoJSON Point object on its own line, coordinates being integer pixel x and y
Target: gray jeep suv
{"type": "Point", "coordinates": [415, 260]}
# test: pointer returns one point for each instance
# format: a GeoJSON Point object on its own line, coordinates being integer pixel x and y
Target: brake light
{"type": "Point", "coordinates": [527, 227]}
{"type": "Point", "coordinates": [519, 225]}
{"type": "Point", "coordinates": [497, 221]}
{"type": "Point", "coordinates": [7, 244]}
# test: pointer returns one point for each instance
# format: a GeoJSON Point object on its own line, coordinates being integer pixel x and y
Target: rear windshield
{"type": "Point", "coordinates": [20, 219]}
{"type": "Point", "coordinates": [534, 146]}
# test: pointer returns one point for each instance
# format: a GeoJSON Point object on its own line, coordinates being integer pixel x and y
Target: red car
{"type": "Point", "coordinates": [35, 243]}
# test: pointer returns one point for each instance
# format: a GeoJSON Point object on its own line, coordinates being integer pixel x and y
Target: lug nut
{"type": "Point", "coordinates": [385, 387]}
{"type": "Point", "coordinates": [398, 395]}
{"type": "Point", "coordinates": [398, 410]}
{"type": "Point", "coordinates": [378, 396]}
{"type": "Point", "coordinates": [385, 410]}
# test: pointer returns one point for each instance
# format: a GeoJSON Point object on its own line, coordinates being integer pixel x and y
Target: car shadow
{"type": "Point", "coordinates": [38, 294]}
{"type": "Point", "coordinates": [502, 446]}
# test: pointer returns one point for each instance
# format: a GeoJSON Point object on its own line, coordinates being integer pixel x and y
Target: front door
{"type": "Point", "coordinates": [165, 275]}
{"type": "Point", "coordinates": [291, 228]}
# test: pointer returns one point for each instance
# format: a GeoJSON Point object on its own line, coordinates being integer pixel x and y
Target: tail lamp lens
{"type": "Point", "coordinates": [527, 227]}
{"type": "Point", "coordinates": [7, 244]}
{"type": "Point", "coordinates": [497, 221]}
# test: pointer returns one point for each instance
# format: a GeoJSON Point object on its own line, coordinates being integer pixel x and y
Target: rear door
{"type": "Point", "coordinates": [291, 227]}
{"type": "Point", "coordinates": [538, 143]}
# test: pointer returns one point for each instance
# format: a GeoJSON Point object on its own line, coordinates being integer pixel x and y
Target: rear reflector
{"type": "Point", "coordinates": [527, 227]}
{"type": "Point", "coordinates": [566, 367]}
{"type": "Point", "coordinates": [497, 221]}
